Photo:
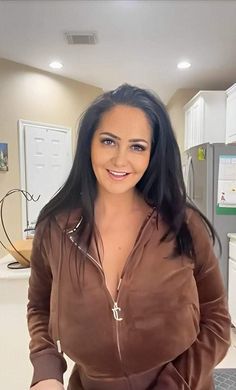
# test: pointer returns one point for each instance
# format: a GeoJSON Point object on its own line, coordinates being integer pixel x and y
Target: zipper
{"type": "Point", "coordinates": [58, 343]}
{"type": "Point", "coordinates": [115, 309]}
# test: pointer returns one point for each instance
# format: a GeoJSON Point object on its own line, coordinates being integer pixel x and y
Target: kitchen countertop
{"type": "Point", "coordinates": [6, 273]}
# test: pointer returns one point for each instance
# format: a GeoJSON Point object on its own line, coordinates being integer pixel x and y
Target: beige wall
{"type": "Point", "coordinates": [30, 94]}
{"type": "Point", "coordinates": [176, 112]}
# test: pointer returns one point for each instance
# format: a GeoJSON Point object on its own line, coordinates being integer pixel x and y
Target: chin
{"type": "Point", "coordinates": [119, 190]}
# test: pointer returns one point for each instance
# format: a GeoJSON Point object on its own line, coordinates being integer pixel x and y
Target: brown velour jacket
{"type": "Point", "coordinates": [167, 330]}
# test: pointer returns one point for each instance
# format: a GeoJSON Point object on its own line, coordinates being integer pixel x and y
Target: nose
{"type": "Point", "coordinates": [120, 158]}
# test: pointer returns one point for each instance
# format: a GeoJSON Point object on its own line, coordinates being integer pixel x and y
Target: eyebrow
{"type": "Point", "coordinates": [130, 140]}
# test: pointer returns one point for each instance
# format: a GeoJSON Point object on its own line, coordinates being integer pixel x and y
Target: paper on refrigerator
{"type": "Point", "coordinates": [227, 181]}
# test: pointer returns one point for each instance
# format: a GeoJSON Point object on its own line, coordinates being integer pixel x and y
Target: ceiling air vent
{"type": "Point", "coordinates": [81, 38]}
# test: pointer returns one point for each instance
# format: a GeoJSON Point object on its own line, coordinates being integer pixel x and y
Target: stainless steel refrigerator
{"type": "Point", "coordinates": [201, 169]}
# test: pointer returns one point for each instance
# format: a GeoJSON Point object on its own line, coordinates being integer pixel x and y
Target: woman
{"type": "Point", "coordinates": [124, 279]}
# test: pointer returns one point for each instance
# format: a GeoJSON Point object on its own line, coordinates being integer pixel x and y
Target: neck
{"type": "Point", "coordinates": [115, 205]}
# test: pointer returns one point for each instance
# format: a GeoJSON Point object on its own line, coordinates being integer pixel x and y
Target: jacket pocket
{"type": "Point", "coordinates": [170, 379]}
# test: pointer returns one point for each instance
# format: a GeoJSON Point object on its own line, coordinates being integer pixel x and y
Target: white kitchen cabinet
{"type": "Point", "coordinates": [205, 116]}
{"type": "Point", "coordinates": [231, 115]}
{"type": "Point", "coordinates": [232, 277]}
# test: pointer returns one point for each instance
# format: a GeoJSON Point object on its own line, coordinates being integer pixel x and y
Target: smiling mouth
{"type": "Point", "coordinates": [117, 175]}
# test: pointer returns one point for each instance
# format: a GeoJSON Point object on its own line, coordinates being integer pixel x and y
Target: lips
{"type": "Point", "coordinates": [117, 175]}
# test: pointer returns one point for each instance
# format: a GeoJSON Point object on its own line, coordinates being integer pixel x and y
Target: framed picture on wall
{"type": "Point", "coordinates": [3, 157]}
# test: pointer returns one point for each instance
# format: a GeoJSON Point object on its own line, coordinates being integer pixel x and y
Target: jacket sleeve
{"type": "Point", "coordinates": [196, 364]}
{"type": "Point", "coordinates": [47, 362]}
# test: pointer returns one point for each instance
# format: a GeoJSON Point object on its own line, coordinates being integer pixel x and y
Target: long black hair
{"type": "Point", "coordinates": [162, 184]}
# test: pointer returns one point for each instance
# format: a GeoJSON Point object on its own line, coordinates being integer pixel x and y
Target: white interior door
{"type": "Point", "coordinates": [48, 159]}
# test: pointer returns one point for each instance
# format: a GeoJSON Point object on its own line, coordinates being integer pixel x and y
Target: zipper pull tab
{"type": "Point", "coordinates": [59, 346]}
{"type": "Point", "coordinates": [116, 310]}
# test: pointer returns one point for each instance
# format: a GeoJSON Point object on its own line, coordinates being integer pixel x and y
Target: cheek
{"type": "Point", "coordinates": [142, 164]}
{"type": "Point", "coordinates": [93, 159]}
{"type": "Point", "coordinates": [96, 154]}
{"type": "Point", "coordinates": [99, 158]}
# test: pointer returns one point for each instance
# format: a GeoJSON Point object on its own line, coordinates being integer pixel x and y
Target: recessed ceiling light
{"type": "Point", "coordinates": [56, 65]}
{"type": "Point", "coordinates": [183, 65]}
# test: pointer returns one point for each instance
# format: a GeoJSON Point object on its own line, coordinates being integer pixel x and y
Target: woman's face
{"type": "Point", "coordinates": [120, 150]}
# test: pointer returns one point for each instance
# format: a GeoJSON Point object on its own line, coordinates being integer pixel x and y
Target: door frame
{"type": "Point", "coordinates": [21, 124]}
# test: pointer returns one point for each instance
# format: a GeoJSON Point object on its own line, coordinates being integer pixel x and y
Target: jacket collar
{"type": "Point", "coordinates": [69, 220]}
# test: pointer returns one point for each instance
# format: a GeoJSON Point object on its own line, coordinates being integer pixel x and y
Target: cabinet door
{"type": "Point", "coordinates": [231, 118]}
{"type": "Point", "coordinates": [232, 290]}
{"type": "Point", "coordinates": [198, 121]}
{"type": "Point", "coordinates": [194, 124]}
{"type": "Point", "coordinates": [188, 141]}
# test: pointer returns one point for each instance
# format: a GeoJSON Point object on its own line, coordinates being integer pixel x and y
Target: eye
{"type": "Point", "coordinates": [107, 141]}
{"type": "Point", "coordinates": [138, 147]}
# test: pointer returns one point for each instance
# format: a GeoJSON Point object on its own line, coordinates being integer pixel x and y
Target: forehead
{"type": "Point", "coordinates": [125, 121]}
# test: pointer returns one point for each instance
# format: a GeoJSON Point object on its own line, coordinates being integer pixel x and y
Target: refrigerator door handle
{"type": "Point", "coordinates": [189, 178]}
{"type": "Point", "coordinates": [188, 174]}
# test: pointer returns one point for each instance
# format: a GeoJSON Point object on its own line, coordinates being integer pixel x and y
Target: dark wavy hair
{"type": "Point", "coordinates": [162, 184]}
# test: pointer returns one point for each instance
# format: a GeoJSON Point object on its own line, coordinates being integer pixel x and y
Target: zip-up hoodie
{"type": "Point", "coordinates": [167, 329]}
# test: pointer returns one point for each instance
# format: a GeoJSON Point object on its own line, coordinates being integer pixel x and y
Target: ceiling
{"type": "Point", "coordinates": [139, 42]}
